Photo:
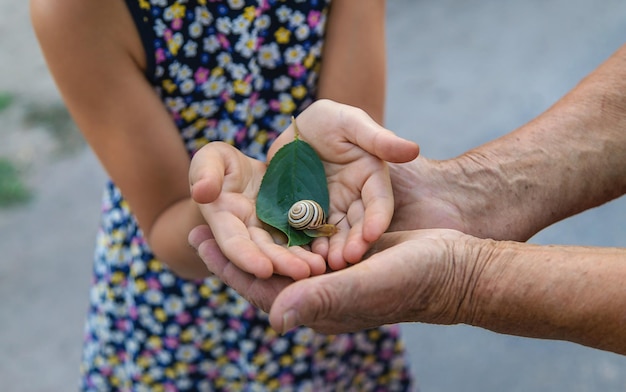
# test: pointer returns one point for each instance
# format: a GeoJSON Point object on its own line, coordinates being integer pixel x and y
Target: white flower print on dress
{"type": "Point", "coordinates": [297, 18]}
{"type": "Point", "coordinates": [236, 4]}
{"type": "Point", "coordinates": [246, 45]}
{"type": "Point", "coordinates": [214, 86]}
{"type": "Point", "coordinates": [203, 16]}
{"type": "Point", "coordinates": [240, 25]}
{"type": "Point", "coordinates": [223, 25]}
{"type": "Point", "coordinates": [302, 32]}
{"type": "Point", "coordinates": [294, 54]}
{"type": "Point", "coordinates": [269, 55]}
{"type": "Point", "coordinates": [262, 22]}
{"type": "Point", "coordinates": [187, 86]}
{"type": "Point", "coordinates": [195, 30]}
{"type": "Point", "coordinates": [211, 44]}
{"type": "Point", "coordinates": [283, 14]}
{"type": "Point", "coordinates": [282, 83]}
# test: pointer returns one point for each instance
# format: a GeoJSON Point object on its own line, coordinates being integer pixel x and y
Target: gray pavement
{"type": "Point", "coordinates": [460, 74]}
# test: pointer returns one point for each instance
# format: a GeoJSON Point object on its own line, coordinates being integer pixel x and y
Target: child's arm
{"type": "Point", "coordinates": [97, 60]}
{"type": "Point", "coordinates": [354, 59]}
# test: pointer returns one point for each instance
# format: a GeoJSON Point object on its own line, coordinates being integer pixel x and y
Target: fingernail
{"type": "Point", "coordinates": [290, 319]}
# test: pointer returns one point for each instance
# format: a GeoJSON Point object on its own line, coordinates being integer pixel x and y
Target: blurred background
{"type": "Point", "coordinates": [460, 74]}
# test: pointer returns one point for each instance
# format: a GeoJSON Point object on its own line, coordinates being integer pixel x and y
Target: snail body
{"type": "Point", "coordinates": [309, 216]}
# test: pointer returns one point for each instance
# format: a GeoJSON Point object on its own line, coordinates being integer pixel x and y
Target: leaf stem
{"type": "Point", "coordinates": [295, 126]}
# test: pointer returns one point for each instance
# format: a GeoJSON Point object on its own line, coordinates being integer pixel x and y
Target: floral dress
{"type": "Point", "coordinates": [234, 71]}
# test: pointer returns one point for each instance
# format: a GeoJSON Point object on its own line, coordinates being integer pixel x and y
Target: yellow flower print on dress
{"type": "Point", "coordinates": [249, 13]}
{"type": "Point", "coordinates": [175, 11]}
{"type": "Point", "coordinates": [282, 35]}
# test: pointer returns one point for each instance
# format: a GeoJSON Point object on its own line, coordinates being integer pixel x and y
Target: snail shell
{"type": "Point", "coordinates": [306, 215]}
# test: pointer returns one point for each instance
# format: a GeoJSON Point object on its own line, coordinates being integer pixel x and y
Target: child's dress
{"type": "Point", "coordinates": [234, 71]}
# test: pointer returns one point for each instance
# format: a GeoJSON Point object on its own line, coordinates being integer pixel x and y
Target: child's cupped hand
{"type": "Point", "coordinates": [354, 150]}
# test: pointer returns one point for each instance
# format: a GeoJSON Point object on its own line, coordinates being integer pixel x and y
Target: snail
{"type": "Point", "coordinates": [309, 216]}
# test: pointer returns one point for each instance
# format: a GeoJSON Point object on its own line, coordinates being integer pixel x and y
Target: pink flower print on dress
{"type": "Point", "coordinates": [159, 55]}
{"type": "Point", "coordinates": [314, 18]}
{"type": "Point", "coordinates": [265, 5]}
{"type": "Point", "coordinates": [286, 379]}
{"type": "Point", "coordinates": [122, 325]}
{"type": "Point", "coordinates": [183, 318]}
{"type": "Point", "coordinates": [249, 313]}
{"type": "Point", "coordinates": [240, 135]}
{"type": "Point", "coordinates": [233, 355]}
{"type": "Point", "coordinates": [223, 41]}
{"type": "Point", "coordinates": [122, 356]}
{"type": "Point", "coordinates": [154, 284]}
{"type": "Point", "coordinates": [297, 70]}
{"type": "Point", "coordinates": [234, 324]}
{"type": "Point", "coordinates": [212, 374]}
{"type": "Point", "coordinates": [387, 354]}
{"type": "Point", "coordinates": [177, 24]}
{"type": "Point", "coordinates": [167, 35]}
{"type": "Point", "coordinates": [201, 75]}
{"type": "Point", "coordinates": [275, 105]}
{"type": "Point", "coordinates": [175, 115]}
{"type": "Point", "coordinates": [170, 342]}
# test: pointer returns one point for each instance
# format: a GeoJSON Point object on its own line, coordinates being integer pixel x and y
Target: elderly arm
{"type": "Point", "coordinates": [554, 292]}
{"type": "Point", "coordinates": [446, 277]}
{"type": "Point", "coordinates": [569, 159]}
{"type": "Point", "coordinates": [354, 66]}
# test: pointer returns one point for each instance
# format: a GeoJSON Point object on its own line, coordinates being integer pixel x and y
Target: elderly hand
{"type": "Point", "coordinates": [410, 276]}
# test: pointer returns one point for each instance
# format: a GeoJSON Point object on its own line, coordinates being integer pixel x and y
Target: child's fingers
{"type": "Point", "coordinates": [233, 238]}
{"type": "Point", "coordinates": [206, 172]}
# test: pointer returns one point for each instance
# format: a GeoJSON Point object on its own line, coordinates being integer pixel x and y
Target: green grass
{"type": "Point", "coordinates": [56, 120]}
{"type": "Point", "coordinates": [12, 189]}
{"type": "Point", "coordinates": [6, 100]}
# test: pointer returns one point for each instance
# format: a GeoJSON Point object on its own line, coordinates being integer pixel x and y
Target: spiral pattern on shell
{"type": "Point", "coordinates": [306, 215]}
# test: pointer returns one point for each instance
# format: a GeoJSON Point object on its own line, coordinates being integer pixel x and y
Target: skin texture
{"type": "Point", "coordinates": [452, 253]}
{"type": "Point", "coordinates": [98, 67]}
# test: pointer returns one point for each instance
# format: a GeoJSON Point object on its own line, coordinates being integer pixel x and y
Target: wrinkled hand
{"type": "Point", "coordinates": [470, 193]}
{"type": "Point", "coordinates": [430, 194]}
{"type": "Point", "coordinates": [413, 276]}
{"type": "Point", "coordinates": [354, 150]}
{"type": "Point", "coordinates": [422, 275]}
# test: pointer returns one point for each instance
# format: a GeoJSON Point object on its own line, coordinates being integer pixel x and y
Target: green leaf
{"type": "Point", "coordinates": [294, 173]}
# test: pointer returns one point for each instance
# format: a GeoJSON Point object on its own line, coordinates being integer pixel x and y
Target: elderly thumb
{"type": "Point", "coordinates": [335, 302]}
{"type": "Point", "coordinates": [305, 303]}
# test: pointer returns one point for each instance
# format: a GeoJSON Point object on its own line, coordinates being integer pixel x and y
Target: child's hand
{"type": "Point", "coordinates": [353, 148]}
{"type": "Point", "coordinates": [224, 183]}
